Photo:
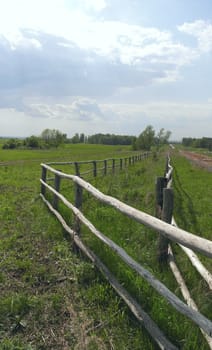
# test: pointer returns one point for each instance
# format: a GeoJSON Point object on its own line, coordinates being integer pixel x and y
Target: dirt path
{"type": "Point", "coordinates": [201, 160]}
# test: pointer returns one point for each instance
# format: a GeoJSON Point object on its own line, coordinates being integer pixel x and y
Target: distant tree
{"type": "Point", "coordinates": [162, 137]}
{"type": "Point", "coordinates": [146, 139]}
{"type": "Point", "coordinates": [32, 142]}
{"type": "Point", "coordinates": [53, 137]}
{"type": "Point", "coordinates": [187, 141]}
{"type": "Point", "coordinates": [204, 142]}
{"type": "Point", "coordinates": [110, 139]}
{"type": "Point", "coordinates": [75, 138]}
{"type": "Point", "coordinates": [82, 138]}
{"type": "Point", "coordinates": [12, 144]}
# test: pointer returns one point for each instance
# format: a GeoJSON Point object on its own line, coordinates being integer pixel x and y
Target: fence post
{"type": "Point", "coordinates": [121, 164]}
{"type": "Point", "coordinates": [167, 165]}
{"type": "Point", "coordinates": [78, 205]}
{"type": "Point", "coordinates": [105, 167]}
{"type": "Point", "coordinates": [94, 169]}
{"type": "Point", "coordinates": [167, 212]}
{"type": "Point", "coordinates": [125, 162]}
{"type": "Point", "coordinates": [113, 166]}
{"type": "Point", "coordinates": [43, 177]}
{"type": "Point", "coordinates": [57, 188]}
{"type": "Point", "coordinates": [78, 199]}
{"type": "Point", "coordinates": [159, 186]}
{"type": "Point", "coordinates": [77, 170]}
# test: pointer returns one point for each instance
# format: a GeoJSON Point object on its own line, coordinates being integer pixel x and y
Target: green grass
{"type": "Point", "coordinates": [53, 298]}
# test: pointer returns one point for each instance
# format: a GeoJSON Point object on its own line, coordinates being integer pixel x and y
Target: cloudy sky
{"type": "Point", "coordinates": [110, 66]}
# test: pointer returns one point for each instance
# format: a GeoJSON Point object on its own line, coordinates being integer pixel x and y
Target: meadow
{"type": "Point", "coordinates": [52, 297]}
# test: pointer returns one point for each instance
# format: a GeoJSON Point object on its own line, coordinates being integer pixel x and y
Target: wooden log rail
{"type": "Point", "coordinates": [199, 319]}
{"type": "Point", "coordinates": [164, 207]}
{"type": "Point", "coordinates": [133, 305]}
{"type": "Point", "coordinates": [164, 210]}
{"type": "Point", "coordinates": [175, 234]}
{"type": "Point", "coordinates": [168, 231]}
{"type": "Point", "coordinates": [104, 165]}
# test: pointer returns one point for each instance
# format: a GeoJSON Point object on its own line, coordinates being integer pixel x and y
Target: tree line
{"type": "Point", "coordinates": [145, 140]}
{"type": "Point", "coordinates": [48, 138]}
{"type": "Point", "coordinates": [204, 142]}
{"type": "Point", "coordinates": [104, 139]}
{"type": "Point", "coordinates": [54, 138]}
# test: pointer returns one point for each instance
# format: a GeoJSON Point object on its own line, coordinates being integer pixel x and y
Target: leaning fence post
{"type": "Point", "coordinates": [113, 166]}
{"type": "Point", "coordinates": [121, 163]}
{"type": "Point", "coordinates": [78, 205]}
{"type": "Point", "coordinates": [159, 186]}
{"type": "Point", "coordinates": [105, 167]}
{"type": "Point", "coordinates": [57, 188]}
{"type": "Point", "coordinates": [167, 165]}
{"type": "Point", "coordinates": [43, 177]}
{"type": "Point", "coordinates": [77, 170]}
{"type": "Point", "coordinates": [94, 168]}
{"type": "Point", "coordinates": [167, 212]}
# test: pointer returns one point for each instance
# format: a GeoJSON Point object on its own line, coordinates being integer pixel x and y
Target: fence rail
{"type": "Point", "coordinates": [175, 234]}
{"type": "Point", "coordinates": [164, 210]}
{"type": "Point", "coordinates": [107, 164]}
{"type": "Point", "coordinates": [165, 229]}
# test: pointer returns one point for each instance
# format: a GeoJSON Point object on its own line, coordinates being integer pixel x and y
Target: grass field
{"type": "Point", "coordinates": [53, 298]}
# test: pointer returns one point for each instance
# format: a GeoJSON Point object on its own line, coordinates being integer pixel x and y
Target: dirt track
{"type": "Point", "coordinates": [201, 160]}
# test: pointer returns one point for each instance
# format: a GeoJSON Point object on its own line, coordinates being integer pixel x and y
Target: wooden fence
{"type": "Point", "coordinates": [164, 228]}
{"type": "Point", "coordinates": [164, 211]}
{"type": "Point", "coordinates": [102, 167]}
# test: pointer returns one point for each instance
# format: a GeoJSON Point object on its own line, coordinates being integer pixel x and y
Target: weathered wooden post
{"type": "Point", "coordinates": [113, 166]}
{"type": "Point", "coordinates": [125, 162]}
{"type": "Point", "coordinates": [167, 212]}
{"type": "Point", "coordinates": [77, 170]}
{"type": "Point", "coordinates": [167, 165]}
{"type": "Point", "coordinates": [94, 168]}
{"type": "Point", "coordinates": [78, 205]}
{"type": "Point", "coordinates": [159, 186]}
{"type": "Point", "coordinates": [43, 177]}
{"type": "Point", "coordinates": [121, 163]}
{"type": "Point", "coordinates": [105, 167]}
{"type": "Point", "coordinates": [57, 188]}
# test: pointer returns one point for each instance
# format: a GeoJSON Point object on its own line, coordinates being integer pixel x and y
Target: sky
{"type": "Point", "coordinates": [106, 66]}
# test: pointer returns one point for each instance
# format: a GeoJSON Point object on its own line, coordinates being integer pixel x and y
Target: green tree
{"type": "Point", "coordinates": [53, 137]}
{"type": "Point", "coordinates": [12, 144]}
{"type": "Point", "coordinates": [82, 138]}
{"type": "Point", "coordinates": [75, 138]}
{"type": "Point", "coordinates": [162, 137]}
{"type": "Point", "coordinates": [146, 139]}
{"type": "Point", "coordinates": [32, 142]}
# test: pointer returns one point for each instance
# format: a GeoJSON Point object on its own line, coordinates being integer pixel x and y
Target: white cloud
{"type": "Point", "coordinates": [116, 40]}
{"type": "Point", "coordinates": [81, 109]}
{"type": "Point", "coordinates": [54, 50]}
{"type": "Point", "coordinates": [96, 5]}
{"type": "Point", "coordinates": [89, 116]}
{"type": "Point", "coordinates": [92, 116]}
{"type": "Point", "coordinates": [202, 31]}
{"type": "Point", "coordinates": [19, 40]}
